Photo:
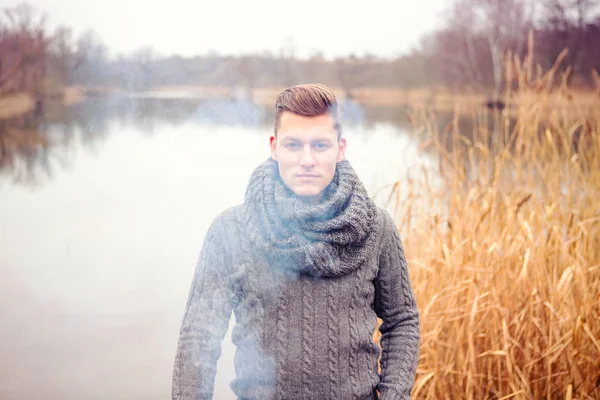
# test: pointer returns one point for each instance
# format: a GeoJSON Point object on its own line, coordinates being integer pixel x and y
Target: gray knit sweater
{"type": "Point", "coordinates": [306, 284]}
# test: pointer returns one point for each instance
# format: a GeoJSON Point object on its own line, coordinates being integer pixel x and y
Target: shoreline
{"type": "Point", "coordinates": [434, 99]}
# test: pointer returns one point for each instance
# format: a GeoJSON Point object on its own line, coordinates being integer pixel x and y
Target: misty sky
{"type": "Point", "coordinates": [186, 27]}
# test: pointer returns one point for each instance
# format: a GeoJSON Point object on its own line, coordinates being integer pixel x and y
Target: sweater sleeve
{"type": "Point", "coordinates": [205, 321]}
{"type": "Point", "coordinates": [400, 330]}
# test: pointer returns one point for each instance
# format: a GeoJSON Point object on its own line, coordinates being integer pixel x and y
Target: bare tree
{"type": "Point", "coordinates": [288, 62]}
{"type": "Point", "coordinates": [502, 24]}
{"type": "Point", "coordinates": [564, 25]}
{"type": "Point", "coordinates": [62, 55]}
{"type": "Point", "coordinates": [248, 74]}
{"type": "Point", "coordinates": [23, 50]}
{"type": "Point", "coordinates": [92, 57]}
{"type": "Point", "coordinates": [352, 72]}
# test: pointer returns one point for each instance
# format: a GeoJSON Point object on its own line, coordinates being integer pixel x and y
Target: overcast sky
{"type": "Point", "coordinates": [186, 27]}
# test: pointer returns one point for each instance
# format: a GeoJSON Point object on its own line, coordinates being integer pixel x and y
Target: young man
{"type": "Point", "coordinates": [307, 263]}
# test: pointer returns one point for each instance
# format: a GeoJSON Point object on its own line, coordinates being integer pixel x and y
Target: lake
{"type": "Point", "coordinates": [101, 226]}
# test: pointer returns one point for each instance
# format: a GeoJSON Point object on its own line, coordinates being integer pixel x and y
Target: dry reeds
{"type": "Point", "coordinates": [504, 253]}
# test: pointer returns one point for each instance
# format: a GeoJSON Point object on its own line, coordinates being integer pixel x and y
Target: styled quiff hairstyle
{"type": "Point", "coordinates": [309, 100]}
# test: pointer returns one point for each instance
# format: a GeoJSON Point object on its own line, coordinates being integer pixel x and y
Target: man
{"type": "Point", "coordinates": [307, 263]}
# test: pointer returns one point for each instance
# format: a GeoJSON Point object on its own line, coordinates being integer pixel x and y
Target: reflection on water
{"type": "Point", "coordinates": [31, 147]}
{"type": "Point", "coordinates": [96, 261]}
{"type": "Point", "coordinates": [23, 146]}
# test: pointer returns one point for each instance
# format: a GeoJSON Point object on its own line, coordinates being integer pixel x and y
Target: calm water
{"type": "Point", "coordinates": [100, 232]}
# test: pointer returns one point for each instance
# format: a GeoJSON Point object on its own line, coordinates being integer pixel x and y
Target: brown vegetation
{"type": "Point", "coordinates": [504, 252]}
{"type": "Point", "coordinates": [15, 104]}
{"type": "Point", "coordinates": [23, 52]}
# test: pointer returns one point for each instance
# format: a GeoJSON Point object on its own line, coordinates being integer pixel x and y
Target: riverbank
{"type": "Point", "coordinates": [17, 104]}
{"type": "Point", "coordinates": [433, 99]}
{"type": "Point", "coordinates": [436, 99]}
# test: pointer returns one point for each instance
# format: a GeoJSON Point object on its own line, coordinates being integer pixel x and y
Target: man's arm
{"type": "Point", "coordinates": [395, 304]}
{"type": "Point", "coordinates": [205, 322]}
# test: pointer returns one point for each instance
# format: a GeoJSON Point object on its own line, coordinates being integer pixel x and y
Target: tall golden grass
{"type": "Point", "coordinates": [504, 253]}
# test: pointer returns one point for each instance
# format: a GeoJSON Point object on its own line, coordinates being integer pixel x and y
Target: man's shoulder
{"type": "Point", "coordinates": [388, 225]}
{"type": "Point", "coordinates": [225, 225]}
{"type": "Point", "coordinates": [384, 216]}
{"type": "Point", "coordinates": [228, 215]}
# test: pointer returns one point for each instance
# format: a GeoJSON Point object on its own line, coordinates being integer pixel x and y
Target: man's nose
{"type": "Point", "coordinates": [307, 157]}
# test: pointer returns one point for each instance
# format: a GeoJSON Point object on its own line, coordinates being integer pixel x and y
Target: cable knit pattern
{"type": "Point", "coordinates": [333, 332]}
{"type": "Point", "coordinates": [282, 340]}
{"type": "Point", "coordinates": [307, 342]}
{"type": "Point", "coordinates": [368, 327]}
{"type": "Point", "coordinates": [332, 238]}
{"type": "Point", "coordinates": [307, 283]}
{"type": "Point", "coordinates": [354, 338]}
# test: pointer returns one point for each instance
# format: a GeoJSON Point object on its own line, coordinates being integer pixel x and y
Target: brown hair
{"type": "Point", "coordinates": [309, 100]}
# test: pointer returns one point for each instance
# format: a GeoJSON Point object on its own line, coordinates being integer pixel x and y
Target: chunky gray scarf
{"type": "Point", "coordinates": [332, 238]}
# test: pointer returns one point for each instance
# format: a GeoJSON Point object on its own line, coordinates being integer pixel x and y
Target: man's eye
{"type": "Point", "coordinates": [320, 146]}
{"type": "Point", "coordinates": [293, 145]}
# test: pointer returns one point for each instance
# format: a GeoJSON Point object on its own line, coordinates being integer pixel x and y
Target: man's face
{"type": "Point", "coordinates": [307, 151]}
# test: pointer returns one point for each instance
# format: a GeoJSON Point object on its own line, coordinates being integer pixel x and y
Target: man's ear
{"type": "Point", "coordinates": [342, 151]}
{"type": "Point", "coordinates": [273, 142]}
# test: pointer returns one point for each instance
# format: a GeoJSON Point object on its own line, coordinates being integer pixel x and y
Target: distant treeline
{"type": "Point", "coordinates": [468, 52]}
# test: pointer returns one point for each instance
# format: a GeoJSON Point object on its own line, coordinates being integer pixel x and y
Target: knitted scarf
{"type": "Point", "coordinates": [328, 239]}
